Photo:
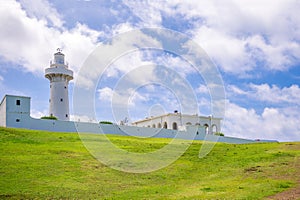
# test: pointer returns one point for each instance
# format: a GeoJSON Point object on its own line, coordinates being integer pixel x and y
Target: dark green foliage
{"type": "Point", "coordinates": [105, 122]}
{"type": "Point", "coordinates": [219, 134]}
{"type": "Point", "coordinates": [49, 117]}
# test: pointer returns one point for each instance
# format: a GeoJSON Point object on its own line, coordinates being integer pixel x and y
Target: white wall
{"type": "Point", "coordinates": [182, 121]}
{"type": "Point", "coordinates": [17, 115]}
{"type": "Point", "coordinates": [59, 99]}
{"type": "Point", "coordinates": [3, 113]}
{"type": "Point", "coordinates": [22, 112]}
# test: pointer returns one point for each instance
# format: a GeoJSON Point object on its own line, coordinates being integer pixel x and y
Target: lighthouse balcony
{"type": "Point", "coordinates": [59, 70]}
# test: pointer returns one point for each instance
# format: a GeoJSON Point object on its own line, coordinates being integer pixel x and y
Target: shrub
{"type": "Point", "coordinates": [219, 134]}
{"type": "Point", "coordinates": [49, 117]}
{"type": "Point", "coordinates": [105, 122]}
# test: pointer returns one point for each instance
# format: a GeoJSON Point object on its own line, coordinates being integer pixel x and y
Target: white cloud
{"type": "Point", "coordinates": [29, 41]}
{"type": "Point", "coordinates": [235, 33]}
{"type": "Point", "coordinates": [119, 98]}
{"type": "Point", "coordinates": [236, 90]}
{"type": "Point", "coordinates": [227, 51]}
{"type": "Point", "coordinates": [270, 94]}
{"type": "Point", "coordinates": [136, 97]}
{"type": "Point", "coordinates": [279, 118]}
{"type": "Point", "coordinates": [122, 28]}
{"type": "Point", "coordinates": [274, 94]}
{"type": "Point", "coordinates": [127, 63]}
{"type": "Point", "coordinates": [38, 114]}
{"type": "Point", "coordinates": [175, 63]}
{"type": "Point", "coordinates": [148, 11]}
{"type": "Point", "coordinates": [105, 94]}
{"type": "Point", "coordinates": [42, 9]}
{"type": "Point", "coordinates": [278, 56]}
{"type": "Point", "coordinates": [120, 54]}
{"type": "Point", "coordinates": [273, 123]}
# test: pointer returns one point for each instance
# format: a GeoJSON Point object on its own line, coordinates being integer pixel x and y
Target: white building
{"type": "Point", "coordinates": [14, 111]}
{"type": "Point", "coordinates": [59, 76]}
{"type": "Point", "coordinates": [179, 121]}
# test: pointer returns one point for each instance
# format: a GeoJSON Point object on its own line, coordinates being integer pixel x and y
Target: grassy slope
{"type": "Point", "coordinates": [38, 164]}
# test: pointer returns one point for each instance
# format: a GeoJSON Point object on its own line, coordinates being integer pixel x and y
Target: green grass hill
{"type": "Point", "coordinates": [48, 165]}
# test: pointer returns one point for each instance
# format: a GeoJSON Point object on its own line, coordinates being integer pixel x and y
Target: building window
{"type": "Point", "coordinates": [174, 126]}
{"type": "Point", "coordinates": [17, 120]}
{"type": "Point", "coordinates": [65, 87]}
{"type": "Point", "coordinates": [214, 128]}
{"type": "Point", "coordinates": [18, 102]}
{"type": "Point", "coordinates": [66, 115]}
{"type": "Point", "coordinates": [61, 100]}
{"type": "Point", "coordinates": [165, 125]}
{"type": "Point", "coordinates": [206, 128]}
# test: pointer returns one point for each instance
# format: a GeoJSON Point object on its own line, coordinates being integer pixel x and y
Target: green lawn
{"type": "Point", "coordinates": [47, 165]}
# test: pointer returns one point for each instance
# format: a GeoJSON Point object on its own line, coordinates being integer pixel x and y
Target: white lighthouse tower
{"type": "Point", "coordinates": [59, 76]}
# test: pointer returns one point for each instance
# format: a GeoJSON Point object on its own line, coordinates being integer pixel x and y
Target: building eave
{"type": "Point", "coordinates": [175, 114]}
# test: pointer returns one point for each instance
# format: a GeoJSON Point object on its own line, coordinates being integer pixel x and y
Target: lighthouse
{"type": "Point", "coordinates": [59, 76]}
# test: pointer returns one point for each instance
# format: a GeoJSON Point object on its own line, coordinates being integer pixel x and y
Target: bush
{"type": "Point", "coordinates": [49, 117]}
{"type": "Point", "coordinates": [219, 134]}
{"type": "Point", "coordinates": [105, 122]}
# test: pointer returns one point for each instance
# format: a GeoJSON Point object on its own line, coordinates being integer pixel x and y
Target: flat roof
{"type": "Point", "coordinates": [9, 95]}
{"type": "Point", "coordinates": [174, 114]}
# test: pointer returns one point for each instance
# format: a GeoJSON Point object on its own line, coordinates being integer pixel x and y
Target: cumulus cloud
{"type": "Point", "coordinates": [42, 9]}
{"type": "Point", "coordinates": [105, 94]}
{"type": "Point", "coordinates": [38, 114]}
{"type": "Point", "coordinates": [237, 35]}
{"type": "Point", "coordinates": [268, 93]}
{"type": "Point", "coordinates": [227, 51]}
{"type": "Point", "coordinates": [274, 94]}
{"type": "Point", "coordinates": [273, 123]}
{"type": "Point", "coordinates": [148, 11]}
{"type": "Point", "coordinates": [278, 119]}
{"type": "Point", "coordinates": [29, 40]}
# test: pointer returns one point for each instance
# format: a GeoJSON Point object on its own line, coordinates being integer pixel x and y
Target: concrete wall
{"type": "Point", "coordinates": [3, 113]}
{"type": "Point", "coordinates": [17, 111]}
{"type": "Point", "coordinates": [18, 116]}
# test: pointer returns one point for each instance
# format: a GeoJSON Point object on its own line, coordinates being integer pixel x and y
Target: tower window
{"type": "Point", "coordinates": [65, 87]}
{"type": "Point", "coordinates": [66, 115]}
{"type": "Point", "coordinates": [18, 102]}
{"type": "Point", "coordinates": [61, 100]}
{"type": "Point", "coordinates": [49, 100]}
{"type": "Point", "coordinates": [17, 120]}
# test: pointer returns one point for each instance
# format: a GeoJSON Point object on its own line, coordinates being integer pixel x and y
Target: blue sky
{"type": "Point", "coordinates": [254, 44]}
